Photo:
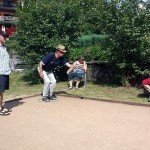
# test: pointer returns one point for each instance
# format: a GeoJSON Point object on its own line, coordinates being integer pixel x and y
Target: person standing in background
{"type": "Point", "coordinates": [5, 71]}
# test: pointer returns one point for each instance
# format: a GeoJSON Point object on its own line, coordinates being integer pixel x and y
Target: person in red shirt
{"type": "Point", "coordinates": [146, 84]}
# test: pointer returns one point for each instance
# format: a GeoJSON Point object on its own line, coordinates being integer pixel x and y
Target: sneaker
{"type": "Point", "coordinates": [45, 99]}
{"type": "Point", "coordinates": [53, 96]}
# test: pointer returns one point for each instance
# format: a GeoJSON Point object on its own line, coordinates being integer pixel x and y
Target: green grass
{"type": "Point", "coordinates": [20, 88]}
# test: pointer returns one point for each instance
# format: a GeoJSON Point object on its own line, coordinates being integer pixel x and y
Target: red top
{"type": "Point", "coordinates": [146, 81]}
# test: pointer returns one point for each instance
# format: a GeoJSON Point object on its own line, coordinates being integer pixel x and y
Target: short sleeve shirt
{"type": "Point", "coordinates": [146, 81]}
{"type": "Point", "coordinates": [78, 65]}
{"type": "Point", "coordinates": [4, 61]}
{"type": "Point", "coordinates": [50, 62]}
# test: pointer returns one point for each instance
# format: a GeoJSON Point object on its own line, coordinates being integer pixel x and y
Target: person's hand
{"type": "Point", "coordinates": [68, 71]}
{"type": "Point", "coordinates": [41, 75]}
{"type": "Point", "coordinates": [84, 62]}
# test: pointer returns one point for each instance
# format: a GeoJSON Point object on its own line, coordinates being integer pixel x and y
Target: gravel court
{"type": "Point", "coordinates": [74, 124]}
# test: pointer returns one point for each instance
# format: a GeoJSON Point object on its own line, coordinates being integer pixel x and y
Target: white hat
{"type": "Point", "coordinates": [61, 48]}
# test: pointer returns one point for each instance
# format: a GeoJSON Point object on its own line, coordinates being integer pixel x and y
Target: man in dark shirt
{"type": "Point", "coordinates": [46, 66]}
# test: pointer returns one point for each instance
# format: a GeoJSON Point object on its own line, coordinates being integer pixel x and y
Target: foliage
{"type": "Point", "coordinates": [91, 53]}
{"type": "Point", "coordinates": [128, 33]}
{"type": "Point", "coordinates": [11, 46]}
{"type": "Point", "coordinates": [31, 76]}
{"type": "Point", "coordinates": [42, 26]}
{"type": "Point", "coordinates": [45, 25]}
{"type": "Point", "coordinates": [93, 16]}
{"type": "Point", "coordinates": [89, 40]}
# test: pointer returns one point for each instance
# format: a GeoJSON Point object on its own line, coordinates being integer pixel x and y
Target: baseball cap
{"type": "Point", "coordinates": [3, 34]}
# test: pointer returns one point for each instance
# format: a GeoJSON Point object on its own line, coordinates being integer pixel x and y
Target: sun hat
{"type": "Point", "coordinates": [61, 48]}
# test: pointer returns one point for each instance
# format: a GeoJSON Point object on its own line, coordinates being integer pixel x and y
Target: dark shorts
{"type": "Point", "coordinates": [4, 83]}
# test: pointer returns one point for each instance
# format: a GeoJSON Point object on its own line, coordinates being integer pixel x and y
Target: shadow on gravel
{"type": "Point", "coordinates": [62, 92]}
{"type": "Point", "coordinates": [59, 92]}
{"type": "Point", "coordinates": [13, 103]}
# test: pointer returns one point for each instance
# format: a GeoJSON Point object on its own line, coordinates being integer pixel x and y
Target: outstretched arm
{"type": "Point", "coordinates": [71, 67]}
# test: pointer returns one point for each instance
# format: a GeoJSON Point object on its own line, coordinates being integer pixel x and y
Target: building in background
{"type": "Point", "coordinates": [7, 16]}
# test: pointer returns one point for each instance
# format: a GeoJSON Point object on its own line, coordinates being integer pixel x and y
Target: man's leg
{"type": "Point", "coordinates": [52, 85]}
{"type": "Point", "coordinates": [4, 85]}
{"type": "Point", "coordinates": [46, 85]}
{"type": "Point", "coordinates": [3, 111]}
{"type": "Point", "coordinates": [1, 100]}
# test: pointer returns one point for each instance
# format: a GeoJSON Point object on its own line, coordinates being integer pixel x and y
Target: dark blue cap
{"type": "Point", "coordinates": [3, 33]}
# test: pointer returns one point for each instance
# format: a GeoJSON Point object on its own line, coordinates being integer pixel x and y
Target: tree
{"type": "Point", "coordinates": [43, 26]}
{"type": "Point", "coordinates": [128, 33]}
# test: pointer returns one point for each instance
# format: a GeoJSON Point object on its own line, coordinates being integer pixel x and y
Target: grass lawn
{"type": "Point", "coordinates": [20, 88]}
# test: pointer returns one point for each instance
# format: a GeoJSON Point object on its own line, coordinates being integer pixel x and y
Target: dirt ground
{"type": "Point", "coordinates": [74, 124]}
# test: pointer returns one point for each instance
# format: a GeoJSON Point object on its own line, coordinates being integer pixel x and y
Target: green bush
{"type": "Point", "coordinates": [89, 40]}
{"type": "Point", "coordinates": [92, 53]}
{"type": "Point", "coordinates": [43, 27]}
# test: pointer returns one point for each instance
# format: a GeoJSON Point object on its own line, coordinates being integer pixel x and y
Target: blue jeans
{"type": "Point", "coordinates": [79, 74]}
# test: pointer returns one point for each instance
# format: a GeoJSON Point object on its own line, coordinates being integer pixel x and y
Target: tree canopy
{"type": "Point", "coordinates": [44, 24]}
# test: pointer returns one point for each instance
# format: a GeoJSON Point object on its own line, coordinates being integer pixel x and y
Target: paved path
{"type": "Point", "coordinates": [74, 124]}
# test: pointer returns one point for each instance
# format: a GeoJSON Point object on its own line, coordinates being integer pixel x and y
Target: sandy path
{"type": "Point", "coordinates": [74, 124]}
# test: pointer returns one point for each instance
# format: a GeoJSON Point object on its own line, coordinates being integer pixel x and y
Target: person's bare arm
{"type": "Point", "coordinates": [71, 67]}
{"type": "Point", "coordinates": [85, 66]}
